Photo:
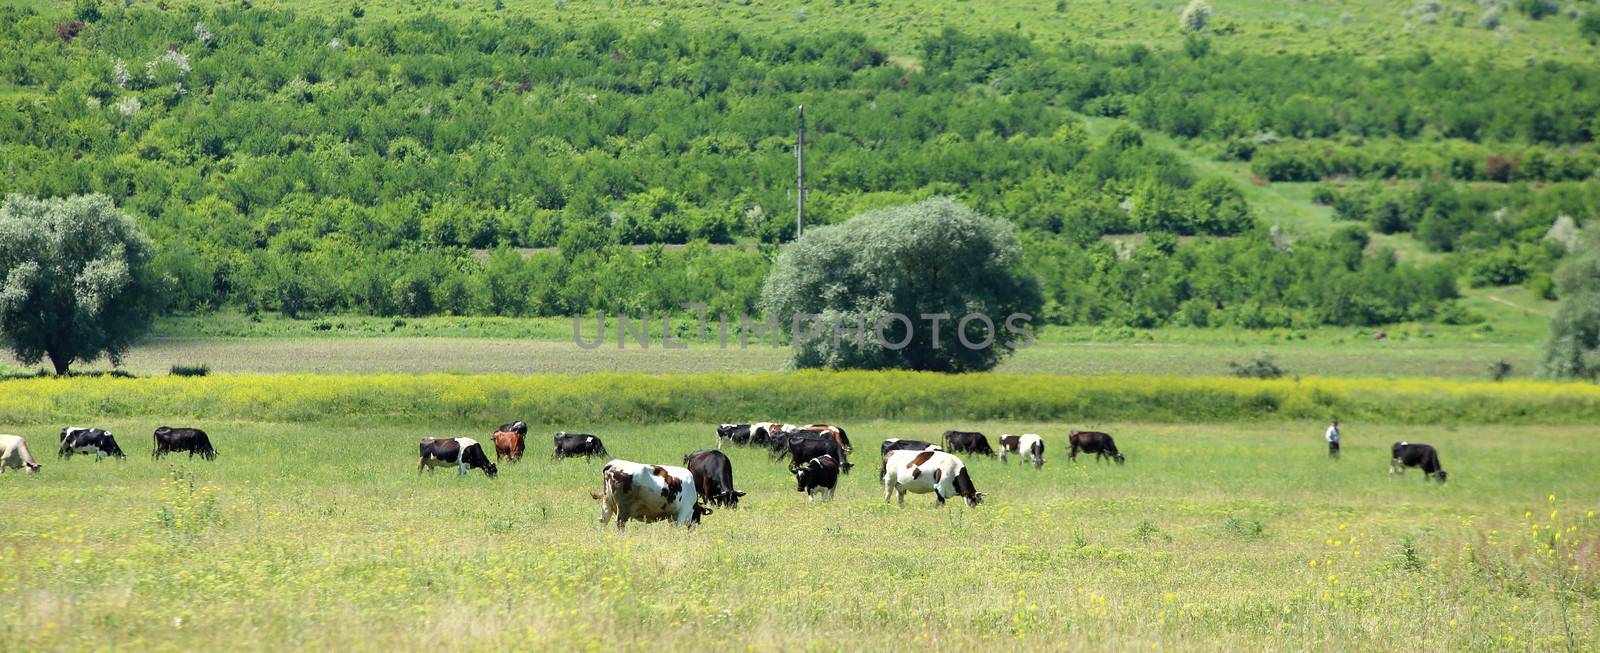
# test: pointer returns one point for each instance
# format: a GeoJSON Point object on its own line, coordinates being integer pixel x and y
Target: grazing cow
{"type": "Point", "coordinates": [713, 477]}
{"type": "Point", "coordinates": [834, 432]}
{"type": "Point", "coordinates": [572, 445]}
{"type": "Point", "coordinates": [1095, 442]}
{"type": "Point", "coordinates": [896, 444]}
{"type": "Point", "coordinates": [922, 472]}
{"type": "Point", "coordinates": [778, 443]}
{"type": "Point", "coordinates": [1028, 445]}
{"type": "Point", "coordinates": [764, 432]}
{"type": "Point", "coordinates": [649, 493]}
{"type": "Point", "coordinates": [1413, 454]}
{"type": "Point", "coordinates": [174, 440]}
{"type": "Point", "coordinates": [464, 453]}
{"type": "Point", "coordinates": [98, 442]}
{"type": "Point", "coordinates": [736, 433]}
{"type": "Point", "coordinates": [818, 474]}
{"type": "Point", "coordinates": [14, 455]}
{"type": "Point", "coordinates": [510, 440]}
{"type": "Point", "coordinates": [967, 442]}
{"type": "Point", "coordinates": [805, 445]}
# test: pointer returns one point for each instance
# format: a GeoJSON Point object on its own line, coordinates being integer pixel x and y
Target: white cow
{"type": "Point", "coordinates": [922, 472]}
{"type": "Point", "coordinates": [1028, 445]}
{"type": "Point", "coordinates": [14, 454]}
{"type": "Point", "coordinates": [648, 493]}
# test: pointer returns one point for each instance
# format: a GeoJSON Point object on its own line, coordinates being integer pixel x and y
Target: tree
{"type": "Point", "coordinates": [1573, 349]}
{"type": "Point", "coordinates": [929, 258]}
{"type": "Point", "coordinates": [1195, 16]}
{"type": "Point", "coordinates": [1589, 26]}
{"type": "Point", "coordinates": [74, 280]}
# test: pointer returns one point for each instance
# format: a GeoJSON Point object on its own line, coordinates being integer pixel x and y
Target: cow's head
{"type": "Point", "coordinates": [697, 512]}
{"type": "Point", "coordinates": [1119, 458]}
{"type": "Point", "coordinates": [1441, 476]}
{"type": "Point", "coordinates": [730, 498]}
{"type": "Point", "coordinates": [490, 469]}
{"type": "Point", "coordinates": [974, 500]}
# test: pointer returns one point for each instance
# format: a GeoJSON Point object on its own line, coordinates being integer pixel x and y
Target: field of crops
{"type": "Point", "coordinates": [1217, 537]}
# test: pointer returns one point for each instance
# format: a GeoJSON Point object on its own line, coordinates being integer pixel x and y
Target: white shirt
{"type": "Point", "coordinates": [1333, 434]}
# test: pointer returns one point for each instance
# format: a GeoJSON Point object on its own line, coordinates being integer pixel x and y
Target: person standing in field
{"type": "Point", "coordinates": [1333, 439]}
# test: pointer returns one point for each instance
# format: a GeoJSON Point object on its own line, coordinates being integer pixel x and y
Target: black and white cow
{"type": "Point", "coordinates": [462, 453]}
{"type": "Point", "coordinates": [896, 444]}
{"type": "Point", "coordinates": [818, 475]}
{"type": "Point", "coordinates": [713, 477]}
{"type": "Point", "coordinates": [805, 445]}
{"type": "Point", "coordinates": [175, 440]}
{"type": "Point", "coordinates": [1414, 454]}
{"type": "Point", "coordinates": [90, 441]}
{"type": "Point", "coordinates": [1028, 445]}
{"type": "Point", "coordinates": [572, 445]}
{"type": "Point", "coordinates": [1095, 442]}
{"type": "Point", "coordinates": [649, 493]}
{"type": "Point", "coordinates": [921, 472]}
{"type": "Point", "coordinates": [735, 433]}
{"type": "Point", "coordinates": [967, 442]}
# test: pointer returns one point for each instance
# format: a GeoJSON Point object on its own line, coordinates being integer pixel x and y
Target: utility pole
{"type": "Point", "coordinates": [800, 175]}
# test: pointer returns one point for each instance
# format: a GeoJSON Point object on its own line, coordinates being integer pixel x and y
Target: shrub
{"type": "Point", "coordinates": [1499, 370]}
{"type": "Point", "coordinates": [191, 370]}
{"type": "Point", "coordinates": [1196, 15]}
{"type": "Point", "coordinates": [1573, 348]}
{"type": "Point", "coordinates": [1260, 367]}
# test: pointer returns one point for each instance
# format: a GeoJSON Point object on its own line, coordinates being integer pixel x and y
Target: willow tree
{"type": "Point", "coordinates": [1573, 349]}
{"type": "Point", "coordinates": [74, 280]}
{"type": "Point", "coordinates": [927, 286]}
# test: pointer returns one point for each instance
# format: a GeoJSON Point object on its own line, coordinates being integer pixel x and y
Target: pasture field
{"type": "Point", "coordinates": [1223, 537]}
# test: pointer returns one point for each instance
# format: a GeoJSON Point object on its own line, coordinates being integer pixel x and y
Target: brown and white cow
{"type": "Point", "coordinates": [461, 453]}
{"type": "Point", "coordinates": [834, 432]}
{"type": "Point", "coordinates": [14, 454]}
{"type": "Point", "coordinates": [648, 493]}
{"type": "Point", "coordinates": [1028, 445]}
{"type": "Point", "coordinates": [921, 472]}
{"type": "Point", "coordinates": [510, 440]}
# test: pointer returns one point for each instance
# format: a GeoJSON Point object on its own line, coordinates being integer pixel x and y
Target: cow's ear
{"type": "Point", "coordinates": [738, 493]}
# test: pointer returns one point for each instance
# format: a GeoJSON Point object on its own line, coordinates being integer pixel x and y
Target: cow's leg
{"type": "Point", "coordinates": [622, 517]}
{"type": "Point", "coordinates": [902, 497]}
{"type": "Point", "coordinates": [827, 494]}
{"type": "Point", "coordinates": [1002, 454]}
{"type": "Point", "coordinates": [1072, 456]}
{"type": "Point", "coordinates": [938, 498]}
{"type": "Point", "coordinates": [421, 463]}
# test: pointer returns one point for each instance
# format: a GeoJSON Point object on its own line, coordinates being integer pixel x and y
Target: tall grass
{"type": "Point", "coordinates": [640, 398]}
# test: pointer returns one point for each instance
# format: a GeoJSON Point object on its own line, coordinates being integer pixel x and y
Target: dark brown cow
{"type": "Point", "coordinates": [713, 477]}
{"type": "Point", "coordinates": [1413, 454]}
{"type": "Point", "coordinates": [509, 441]}
{"type": "Point", "coordinates": [1095, 442]}
{"type": "Point", "coordinates": [194, 441]}
{"type": "Point", "coordinates": [967, 442]}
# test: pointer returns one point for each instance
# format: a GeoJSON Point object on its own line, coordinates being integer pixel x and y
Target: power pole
{"type": "Point", "coordinates": [800, 176]}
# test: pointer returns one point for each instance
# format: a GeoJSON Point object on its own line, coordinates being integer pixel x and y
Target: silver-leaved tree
{"type": "Point", "coordinates": [74, 280]}
{"type": "Point", "coordinates": [932, 258]}
{"type": "Point", "coordinates": [1573, 349]}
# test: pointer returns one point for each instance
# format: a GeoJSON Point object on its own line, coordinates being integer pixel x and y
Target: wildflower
{"type": "Point", "coordinates": [119, 74]}
{"type": "Point", "coordinates": [129, 105]}
{"type": "Point", "coordinates": [200, 32]}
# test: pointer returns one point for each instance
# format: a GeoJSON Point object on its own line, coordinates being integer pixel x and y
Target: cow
{"type": "Point", "coordinates": [896, 444]}
{"type": "Point", "coordinates": [510, 440]}
{"type": "Point", "coordinates": [818, 474]}
{"type": "Point", "coordinates": [921, 472]}
{"type": "Point", "coordinates": [835, 432]}
{"type": "Point", "coordinates": [1028, 445]}
{"type": "Point", "coordinates": [100, 443]}
{"type": "Point", "coordinates": [14, 455]}
{"type": "Point", "coordinates": [649, 493]}
{"type": "Point", "coordinates": [174, 440]}
{"type": "Point", "coordinates": [805, 445]}
{"type": "Point", "coordinates": [778, 443]}
{"type": "Point", "coordinates": [713, 477]}
{"type": "Point", "coordinates": [1415, 454]}
{"type": "Point", "coordinates": [1095, 442]}
{"type": "Point", "coordinates": [967, 442]}
{"type": "Point", "coordinates": [736, 433]}
{"type": "Point", "coordinates": [764, 432]}
{"type": "Point", "coordinates": [572, 445]}
{"type": "Point", "coordinates": [464, 453]}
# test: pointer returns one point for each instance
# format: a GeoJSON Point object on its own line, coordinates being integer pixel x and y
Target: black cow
{"type": "Point", "coordinates": [736, 433]}
{"type": "Point", "coordinates": [572, 445]}
{"type": "Point", "coordinates": [713, 477]}
{"type": "Point", "coordinates": [820, 473]}
{"type": "Point", "coordinates": [97, 442]}
{"type": "Point", "coordinates": [1413, 454]}
{"type": "Point", "coordinates": [1095, 442]}
{"type": "Point", "coordinates": [805, 445]}
{"type": "Point", "coordinates": [174, 440]}
{"type": "Point", "coordinates": [967, 442]}
{"type": "Point", "coordinates": [778, 444]}
{"type": "Point", "coordinates": [896, 444]}
{"type": "Point", "coordinates": [462, 453]}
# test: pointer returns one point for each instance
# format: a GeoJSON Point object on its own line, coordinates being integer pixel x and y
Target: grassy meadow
{"type": "Point", "coordinates": [1230, 536]}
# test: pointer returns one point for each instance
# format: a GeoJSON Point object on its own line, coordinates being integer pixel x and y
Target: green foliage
{"type": "Point", "coordinates": [190, 370]}
{"type": "Point", "coordinates": [1573, 348]}
{"type": "Point", "coordinates": [933, 257]}
{"type": "Point", "coordinates": [1589, 26]}
{"type": "Point", "coordinates": [1196, 15]}
{"type": "Point", "coordinates": [1260, 367]}
{"type": "Point", "coordinates": [76, 280]}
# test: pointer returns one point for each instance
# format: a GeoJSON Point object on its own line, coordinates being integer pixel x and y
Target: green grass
{"type": "Point", "coordinates": [1214, 538]}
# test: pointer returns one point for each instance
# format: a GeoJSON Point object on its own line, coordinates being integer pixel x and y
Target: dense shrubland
{"type": "Point", "coordinates": [312, 165]}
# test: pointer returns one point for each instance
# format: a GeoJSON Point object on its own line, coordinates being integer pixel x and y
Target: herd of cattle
{"type": "Point", "coordinates": [817, 453]}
